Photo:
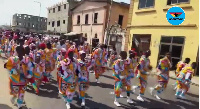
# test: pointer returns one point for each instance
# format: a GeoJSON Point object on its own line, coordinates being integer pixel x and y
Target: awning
{"type": "Point", "coordinates": [72, 34]}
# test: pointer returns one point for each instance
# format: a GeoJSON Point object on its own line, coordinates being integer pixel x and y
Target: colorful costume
{"type": "Point", "coordinates": [142, 68]}
{"type": "Point", "coordinates": [68, 79]}
{"type": "Point", "coordinates": [130, 66]}
{"type": "Point", "coordinates": [184, 80]}
{"type": "Point", "coordinates": [113, 58]}
{"type": "Point", "coordinates": [17, 80]}
{"type": "Point", "coordinates": [39, 70]}
{"type": "Point", "coordinates": [49, 63]}
{"type": "Point", "coordinates": [83, 77]}
{"type": "Point", "coordinates": [119, 74]}
{"type": "Point", "coordinates": [28, 67]}
{"type": "Point", "coordinates": [163, 76]}
{"type": "Point", "coordinates": [97, 61]}
{"type": "Point", "coordinates": [180, 65]}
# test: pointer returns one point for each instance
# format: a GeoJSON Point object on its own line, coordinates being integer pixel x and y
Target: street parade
{"type": "Point", "coordinates": [31, 60]}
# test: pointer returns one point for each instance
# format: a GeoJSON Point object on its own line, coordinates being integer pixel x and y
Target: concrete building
{"type": "Point", "coordinates": [90, 17]}
{"type": "Point", "coordinates": [148, 28]}
{"type": "Point", "coordinates": [29, 23]}
{"type": "Point", "coordinates": [60, 17]}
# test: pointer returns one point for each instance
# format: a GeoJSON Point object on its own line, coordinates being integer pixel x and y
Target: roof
{"type": "Point", "coordinates": [107, 1]}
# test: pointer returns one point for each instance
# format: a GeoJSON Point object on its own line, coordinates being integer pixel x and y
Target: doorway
{"type": "Point", "coordinates": [174, 45]}
{"type": "Point", "coordinates": [141, 43]}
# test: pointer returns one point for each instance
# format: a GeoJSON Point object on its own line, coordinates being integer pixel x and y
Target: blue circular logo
{"type": "Point", "coordinates": [175, 15]}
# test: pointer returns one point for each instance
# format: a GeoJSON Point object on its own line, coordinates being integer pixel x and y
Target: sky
{"type": "Point", "coordinates": [10, 7]}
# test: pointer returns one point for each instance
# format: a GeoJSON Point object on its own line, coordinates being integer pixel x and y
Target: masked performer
{"type": "Point", "coordinates": [49, 61]}
{"type": "Point", "coordinates": [184, 80]}
{"type": "Point", "coordinates": [17, 80]}
{"type": "Point", "coordinates": [28, 67]}
{"type": "Point", "coordinates": [97, 61]}
{"type": "Point", "coordinates": [68, 78]}
{"type": "Point", "coordinates": [163, 76]}
{"type": "Point", "coordinates": [60, 58]}
{"type": "Point", "coordinates": [83, 76]}
{"type": "Point", "coordinates": [179, 67]}
{"type": "Point", "coordinates": [143, 67]}
{"type": "Point", "coordinates": [120, 76]}
{"type": "Point", "coordinates": [39, 69]}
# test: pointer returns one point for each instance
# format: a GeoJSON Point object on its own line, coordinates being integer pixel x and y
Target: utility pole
{"type": "Point", "coordinates": [39, 15]}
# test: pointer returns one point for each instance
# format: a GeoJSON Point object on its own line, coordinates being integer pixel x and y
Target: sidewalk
{"type": "Point", "coordinates": [195, 79]}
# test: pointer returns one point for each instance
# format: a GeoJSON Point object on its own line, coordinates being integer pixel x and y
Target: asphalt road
{"type": "Point", "coordinates": [99, 96]}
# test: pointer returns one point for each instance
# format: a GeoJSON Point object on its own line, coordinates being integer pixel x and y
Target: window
{"type": "Point", "coordinates": [20, 23]}
{"type": "Point", "coordinates": [28, 24]}
{"type": "Point", "coordinates": [58, 8]}
{"type": "Point", "coordinates": [86, 19]}
{"type": "Point", "coordinates": [49, 11]}
{"type": "Point", "coordinates": [63, 21]}
{"type": "Point", "coordinates": [53, 23]}
{"type": "Point", "coordinates": [95, 17]}
{"type": "Point", "coordinates": [64, 6]}
{"type": "Point", "coordinates": [53, 10]}
{"type": "Point", "coordinates": [49, 23]}
{"type": "Point", "coordinates": [78, 19]}
{"type": "Point", "coordinates": [33, 25]}
{"type": "Point", "coordinates": [95, 36]}
{"type": "Point", "coordinates": [169, 2]}
{"type": "Point", "coordinates": [17, 23]}
{"type": "Point", "coordinates": [146, 3]}
{"type": "Point", "coordinates": [86, 35]}
{"type": "Point", "coordinates": [58, 23]}
{"type": "Point", "coordinates": [120, 20]}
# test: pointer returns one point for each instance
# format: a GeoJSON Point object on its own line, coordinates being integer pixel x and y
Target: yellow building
{"type": "Point", "coordinates": [148, 28]}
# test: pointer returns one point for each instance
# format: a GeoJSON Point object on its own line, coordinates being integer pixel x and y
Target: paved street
{"type": "Point", "coordinates": [99, 96]}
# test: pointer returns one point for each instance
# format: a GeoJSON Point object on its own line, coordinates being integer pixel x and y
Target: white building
{"type": "Point", "coordinates": [59, 17]}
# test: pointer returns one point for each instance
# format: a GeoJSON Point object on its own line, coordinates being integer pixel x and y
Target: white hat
{"type": "Point", "coordinates": [63, 50]}
{"type": "Point", "coordinates": [81, 52]}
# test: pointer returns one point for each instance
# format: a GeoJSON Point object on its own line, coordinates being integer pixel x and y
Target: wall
{"type": "Point", "coordinates": [58, 15]}
{"type": "Point", "coordinates": [117, 10]}
{"type": "Point", "coordinates": [24, 19]}
{"type": "Point", "coordinates": [91, 28]}
{"type": "Point", "coordinates": [153, 21]}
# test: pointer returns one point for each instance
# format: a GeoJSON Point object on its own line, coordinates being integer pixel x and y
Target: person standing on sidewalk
{"type": "Point", "coordinates": [163, 76]}
{"type": "Point", "coordinates": [143, 67]}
